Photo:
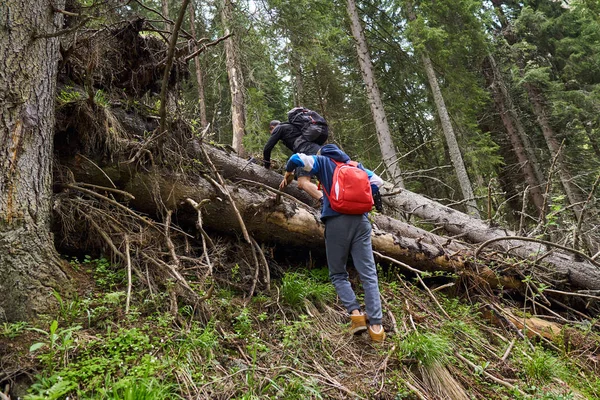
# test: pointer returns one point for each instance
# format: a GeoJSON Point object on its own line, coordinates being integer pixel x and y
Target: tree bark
{"type": "Point", "coordinates": [499, 95]}
{"type": "Point", "coordinates": [453, 148]}
{"type": "Point", "coordinates": [165, 10]}
{"type": "Point", "coordinates": [236, 80]}
{"type": "Point", "coordinates": [29, 263]}
{"type": "Point", "coordinates": [199, 74]}
{"type": "Point", "coordinates": [573, 195]}
{"type": "Point", "coordinates": [386, 144]}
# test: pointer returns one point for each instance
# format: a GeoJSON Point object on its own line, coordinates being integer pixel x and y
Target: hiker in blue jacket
{"type": "Point", "coordinates": [345, 234]}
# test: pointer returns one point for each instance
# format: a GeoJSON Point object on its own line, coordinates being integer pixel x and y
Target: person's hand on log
{"type": "Point", "coordinates": [287, 179]}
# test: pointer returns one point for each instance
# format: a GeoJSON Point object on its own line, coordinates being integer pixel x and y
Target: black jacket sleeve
{"type": "Point", "coordinates": [275, 137]}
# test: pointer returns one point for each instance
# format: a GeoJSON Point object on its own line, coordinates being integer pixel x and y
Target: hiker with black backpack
{"type": "Point", "coordinates": [348, 189]}
{"type": "Point", "coordinates": [305, 132]}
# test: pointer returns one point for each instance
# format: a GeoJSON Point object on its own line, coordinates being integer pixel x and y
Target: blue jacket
{"type": "Point", "coordinates": [322, 167]}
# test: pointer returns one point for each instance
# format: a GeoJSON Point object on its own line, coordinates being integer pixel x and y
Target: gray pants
{"type": "Point", "coordinates": [351, 234]}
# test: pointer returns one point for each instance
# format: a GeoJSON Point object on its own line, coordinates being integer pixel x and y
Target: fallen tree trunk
{"type": "Point", "coordinates": [297, 224]}
{"type": "Point", "coordinates": [580, 273]}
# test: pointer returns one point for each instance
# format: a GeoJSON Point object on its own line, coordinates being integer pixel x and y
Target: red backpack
{"type": "Point", "coordinates": [350, 189]}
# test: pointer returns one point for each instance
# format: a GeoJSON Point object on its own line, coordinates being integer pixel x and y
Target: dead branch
{"type": "Point", "coordinates": [223, 188]}
{"type": "Point", "coordinates": [170, 244]}
{"type": "Point", "coordinates": [113, 190]}
{"type": "Point", "coordinates": [205, 46]}
{"type": "Point", "coordinates": [267, 273]}
{"type": "Point", "coordinates": [527, 239]}
{"type": "Point", "coordinates": [577, 231]}
{"type": "Point", "coordinates": [128, 257]}
{"type": "Point", "coordinates": [106, 237]}
{"type": "Point", "coordinates": [172, 44]}
{"type": "Point", "coordinates": [203, 234]}
{"type": "Point", "coordinates": [256, 270]}
{"type": "Point", "coordinates": [489, 376]}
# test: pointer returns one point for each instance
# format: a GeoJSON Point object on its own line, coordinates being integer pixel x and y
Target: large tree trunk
{"type": "Point", "coordinates": [236, 80]}
{"type": "Point", "coordinates": [499, 94]}
{"type": "Point", "coordinates": [386, 144]}
{"type": "Point", "coordinates": [29, 264]}
{"type": "Point", "coordinates": [297, 224]}
{"type": "Point", "coordinates": [573, 195]}
{"type": "Point", "coordinates": [199, 74]}
{"type": "Point", "coordinates": [453, 148]}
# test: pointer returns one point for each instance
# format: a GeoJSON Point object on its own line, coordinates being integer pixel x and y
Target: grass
{"type": "Point", "coordinates": [278, 346]}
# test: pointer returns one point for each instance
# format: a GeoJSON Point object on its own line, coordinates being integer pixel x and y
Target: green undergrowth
{"type": "Point", "coordinates": [289, 343]}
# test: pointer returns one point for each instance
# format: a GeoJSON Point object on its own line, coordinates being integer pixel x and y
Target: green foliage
{"type": "Point", "coordinates": [59, 343]}
{"type": "Point", "coordinates": [243, 323]}
{"type": "Point", "coordinates": [292, 332]}
{"type": "Point", "coordinates": [427, 348]}
{"type": "Point", "coordinates": [53, 388]}
{"type": "Point", "coordinates": [12, 330]}
{"type": "Point", "coordinates": [297, 287]}
{"type": "Point", "coordinates": [68, 310]}
{"type": "Point", "coordinates": [68, 95]}
{"type": "Point", "coordinates": [141, 389]}
{"type": "Point", "coordinates": [107, 276]}
{"type": "Point", "coordinates": [101, 99]}
{"type": "Point", "coordinates": [296, 388]}
{"type": "Point", "coordinates": [541, 367]}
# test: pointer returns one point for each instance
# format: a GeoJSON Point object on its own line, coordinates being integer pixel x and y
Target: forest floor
{"type": "Point", "coordinates": [290, 342]}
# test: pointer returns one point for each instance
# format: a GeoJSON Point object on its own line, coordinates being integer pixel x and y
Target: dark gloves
{"type": "Point", "coordinates": [378, 201]}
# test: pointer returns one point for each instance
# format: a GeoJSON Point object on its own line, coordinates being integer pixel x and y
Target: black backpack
{"type": "Point", "coordinates": [311, 124]}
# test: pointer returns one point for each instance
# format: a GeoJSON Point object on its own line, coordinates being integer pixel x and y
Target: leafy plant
{"type": "Point", "coordinates": [60, 342]}
{"type": "Point", "coordinates": [541, 367]}
{"type": "Point", "coordinates": [68, 95]}
{"type": "Point", "coordinates": [297, 287]}
{"type": "Point", "coordinates": [13, 330]}
{"type": "Point", "coordinates": [141, 389]}
{"type": "Point", "coordinates": [68, 310]}
{"type": "Point", "coordinates": [426, 348]}
{"type": "Point", "coordinates": [243, 323]}
{"type": "Point", "coordinates": [50, 389]}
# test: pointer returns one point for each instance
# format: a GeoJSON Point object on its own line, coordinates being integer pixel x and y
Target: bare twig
{"type": "Point", "coordinates": [170, 21]}
{"type": "Point", "coordinates": [577, 232]}
{"type": "Point", "coordinates": [113, 190]}
{"type": "Point", "coordinates": [111, 201]}
{"type": "Point", "coordinates": [267, 273]}
{"type": "Point", "coordinates": [106, 238]}
{"type": "Point", "coordinates": [173, 272]}
{"type": "Point", "coordinates": [203, 234]}
{"type": "Point", "coordinates": [256, 270]}
{"type": "Point", "coordinates": [63, 31]}
{"type": "Point", "coordinates": [508, 349]}
{"type": "Point", "coordinates": [128, 257]}
{"type": "Point", "coordinates": [172, 44]}
{"type": "Point", "coordinates": [100, 169]}
{"type": "Point", "coordinates": [577, 294]}
{"type": "Point", "coordinates": [278, 192]}
{"type": "Point", "coordinates": [143, 148]}
{"type": "Point", "coordinates": [490, 376]}
{"type": "Point", "coordinates": [170, 244]}
{"type": "Point", "coordinates": [223, 188]}
{"type": "Point", "coordinates": [527, 239]}
{"type": "Point", "coordinates": [433, 297]}
{"type": "Point", "coordinates": [408, 267]}
{"type": "Point", "coordinates": [205, 46]}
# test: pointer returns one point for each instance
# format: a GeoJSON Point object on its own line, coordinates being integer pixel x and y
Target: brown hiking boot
{"type": "Point", "coordinates": [359, 324]}
{"type": "Point", "coordinates": [379, 336]}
